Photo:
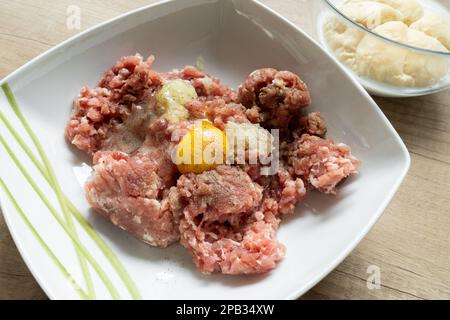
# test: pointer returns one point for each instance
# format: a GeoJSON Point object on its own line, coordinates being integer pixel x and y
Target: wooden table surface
{"type": "Point", "coordinates": [410, 243]}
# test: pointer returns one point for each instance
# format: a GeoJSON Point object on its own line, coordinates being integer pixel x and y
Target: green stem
{"type": "Point", "coordinates": [54, 183]}
{"type": "Point", "coordinates": [103, 276]}
{"type": "Point", "coordinates": [108, 253]}
{"type": "Point", "coordinates": [43, 244]}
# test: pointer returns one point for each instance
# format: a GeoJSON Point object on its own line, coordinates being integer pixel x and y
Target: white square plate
{"type": "Point", "coordinates": [234, 38]}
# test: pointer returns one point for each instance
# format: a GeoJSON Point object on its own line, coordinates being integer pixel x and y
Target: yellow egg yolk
{"type": "Point", "coordinates": [202, 149]}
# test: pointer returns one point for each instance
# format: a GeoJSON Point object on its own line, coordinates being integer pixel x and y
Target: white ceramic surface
{"type": "Point", "coordinates": [234, 38]}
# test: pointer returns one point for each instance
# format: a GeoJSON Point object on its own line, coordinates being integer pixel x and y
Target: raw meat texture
{"type": "Point", "coordinates": [284, 189]}
{"type": "Point", "coordinates": [279, 94]}
{"type": "Point", "coordinates": [97, 123]}
{"type": "Point", "coordinates": [132, 190]}
{"type": "Point", "coordinates": [321, 163]}
{"type": "Point", "coordinates": [98, 114]}
{"type": "Point", "coordinates": [288, 191]}
{"type": "Point", "coordinates": [220, 112]}
{"type": "Point", "coordinates": [231, 233]}
{"type": "Point", "coordinates": [219, 195]}
{"type": "Point", "coordinates": [131, 80]}
{"type": "Point", "coordinates": [249, 248]}
{"type": "Point", "coordinates": [312, 124]}
{"type": "Point", "coordinates": [93, 117]}
{"type": "Point", "coordinates": [129, 192]}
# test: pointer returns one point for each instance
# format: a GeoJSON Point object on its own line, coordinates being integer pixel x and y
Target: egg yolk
{"type": "Point", "coordinates": [202, 149]}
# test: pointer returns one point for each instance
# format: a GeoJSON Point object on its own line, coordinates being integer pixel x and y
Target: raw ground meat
{"type": "Point", "coordinates": [227, 217]}
{"type": "Point", "coordinates": [255, 251]}
{"type": "Point", "coordinates": [132, 190]}
{"type": "Point", "coordinates": [279, 94]}
{"type": "Point", "coordinates": [312, 124]}
{"type": "Point", "coordinates": [322, 163]}
{"type": "Point", "coordinates": [93, 117]}
{"type": "Point", "coordinates": [225, 223]}
{"type": "Point", "coordinates": [131, 80]}
{"type": "Point", "coordinates": [220, 112]}
{"type": "Point", "coordinates": [286, 190]}
{"type": "Point", "coordinates": [219, 195]}
{"type": "Point", "coordinates": [128, 191]}
{"type": "Point", "coordinates": [97, 113]}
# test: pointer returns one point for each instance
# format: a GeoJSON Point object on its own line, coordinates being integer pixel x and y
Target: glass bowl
{"type": "Point", "coordinates": [382, 62]}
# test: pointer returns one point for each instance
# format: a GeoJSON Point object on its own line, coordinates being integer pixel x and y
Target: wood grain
{"type": "Point", "coordinates": [410, 243]}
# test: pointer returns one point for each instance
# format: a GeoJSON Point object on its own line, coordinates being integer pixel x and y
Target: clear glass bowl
{"type": "Point", "coordinates": [385, 67]}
